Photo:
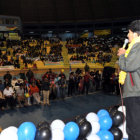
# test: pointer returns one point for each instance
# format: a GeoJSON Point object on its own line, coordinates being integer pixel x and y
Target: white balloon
{"type": "Point", "coordinates": [95, 127]}
{"type": "Point", "coordinates": [122, 109]}
{"type": "Point", "coordinates": [123, 129]}
{"type": "Point", "coordinates": [57, 134]}
{"type": "Point", "coordinates": [9, 133]}
{"type": "Point", "coordinates": [93, 137]}
{"type": "Point", "coordinates": [12, 128]}
{"type": "Point", "coordinates": [92, 117]}
{"type": "Point", "coordinates": [123, 126]}
{"type": "Point", "coordinates": [57, 124]}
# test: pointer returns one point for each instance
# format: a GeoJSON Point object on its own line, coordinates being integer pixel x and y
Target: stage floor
{"type": "Point", "coordinates": [59, 109]}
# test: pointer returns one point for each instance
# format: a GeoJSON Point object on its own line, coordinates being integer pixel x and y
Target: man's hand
{"type": "Point", "coordinates": [121, 51]}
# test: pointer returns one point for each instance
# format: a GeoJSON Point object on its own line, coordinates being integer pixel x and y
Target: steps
{"type": "Point", "coordinates": [65, 55]}
{"type": "Point", "coordinates": [40, 64]}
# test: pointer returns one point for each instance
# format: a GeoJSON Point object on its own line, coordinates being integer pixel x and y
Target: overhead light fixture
{"type": "Point", "coordinates": [85, 30]}
{"type": "Point", "coordinates": [50, 31]}
{"type": "Point", "coordinates": [123, 28]}
{"type": "Point", "coordinates": [67, 31]}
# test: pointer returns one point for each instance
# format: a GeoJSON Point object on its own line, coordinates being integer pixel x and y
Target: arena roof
{"type": "Point", "coordinates": [59, 11]}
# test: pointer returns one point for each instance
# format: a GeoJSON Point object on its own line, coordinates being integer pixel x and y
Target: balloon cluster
{"type": "Point", "coordinates": [101, 126]}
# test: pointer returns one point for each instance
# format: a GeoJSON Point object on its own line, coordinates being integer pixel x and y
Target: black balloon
{"type": "Point", "coordinates": [112, 111]}
{"type": "Point", "coordinates": [43, 133]}
{"type": "Point", "coordinates": [85, 129]}
{"type": "Point", "coordinates": [117, 133]}
{"type": "Point", "coordinates": [118, 119]}
{"type": "Point", "coordinates": [43, 124]}
{"type": "Point", "coordinates": [79, 119]}
{"type": "Point", "coordinates": [82, 139]}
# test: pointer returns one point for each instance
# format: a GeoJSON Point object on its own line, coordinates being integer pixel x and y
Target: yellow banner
{"type": "Point", "coordinates": [102, 32]}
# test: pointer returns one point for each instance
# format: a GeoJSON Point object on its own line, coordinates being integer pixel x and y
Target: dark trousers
{"type": "Point", "coordinates": [132, 117]}
{"type": "Point", "coordinates": [10, 101]}
{"type": "Point", "coordinates": [86, 87]}
{"type": "Point", "coordinates": [2, 103]}
{"type": "Point", "coordinates": [62, 92]}
{"type": "Point", "coordinates": [70, 90]}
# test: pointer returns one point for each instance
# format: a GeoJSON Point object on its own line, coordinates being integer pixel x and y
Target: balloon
{"type": "Point", "coordinates": [117, 133]}
{"type": "Point", "coordinates": [26, 131]}
{"type": "Point", "coordinates": [123, 129]}
{"type": "Point", "coordinates": [43, 124]}
{"type": "Point", "coordinates": [12, 129]}
{"type": "Point", "coordinates": [79, 119]}
{"type": "Point", "coordinates": [57, 134]}
{"type": "Point", "coordinates": [27, 95]}
{"type": "Point", "coordinates": [43, 133]}
{"type": "Point", "coordinates": [92, 117]}
{"type": "Point", "coordinates": [99, 133]}
{"type": "Point", "coordinates": [102, 113]}
{"type": "Point", "coordinates": [112, 111]}
{"type": "Point", "coordinates": [57, 124]}
{"type": "Point", "coordinates": [118, 119]}
{"type": "Point", "coordinates": [82, 139]}
{"type": "Point", "coordinates": [122, 109]}
{"type": "Point", "coordinates": [71, 131]}
{"type": "Point", "coordinates": [85, 129]}
{"type": "Point", "coordinates": [106, 135]}
{"type": "Point", "coordinates": [123, 126]}
{"type": "Point", "coordinates": [9, 133]}
{"type": "Point", "coordinates": [105, 122]}
{"type": "Point", "coordinates": [93, 137]}
{"type": "Point", "coordinates": [95, 127]}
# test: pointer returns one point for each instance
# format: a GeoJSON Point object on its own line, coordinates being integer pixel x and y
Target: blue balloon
{"type": "Point", "coordinates": [102, 113]}
{"type": "Point", "coordinates": [26, 131]}
{"type": "Point", "coordinates": [71, 131]}
{"type": "Point", "coordinates": [105, 122]}
{"type": "Point", "coordinates": [99, 133]}
{"type": "Point", "coordinates": [106, 135]}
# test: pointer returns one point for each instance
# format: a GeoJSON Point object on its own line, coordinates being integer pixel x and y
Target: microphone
{"type": "Point", "coordinates": [125, 43]}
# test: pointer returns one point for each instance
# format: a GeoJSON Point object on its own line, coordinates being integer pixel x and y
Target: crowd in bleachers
{"type": "Point", "coordinates": [29, 51]}
{"type": "Point", "coordinates": [93, 50]}
{"type": "Point", "coordinates": [96, 49]}
{"type": "Point", "coordinates": [28, 90]}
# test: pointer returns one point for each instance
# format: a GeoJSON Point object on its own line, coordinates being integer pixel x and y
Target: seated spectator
{"type": "Point", "coordinates": [18, 83]}
{"type": "Point", "coordinates": [9, 96]}
{"type": "Point", "coordinates": [34, 91]}
{"type": "Point", "coordinates": [14, 81]}
{"type": "Point", "coordinates": [2, 101]}
{"type": "Point", "coordinates": [20, 95]}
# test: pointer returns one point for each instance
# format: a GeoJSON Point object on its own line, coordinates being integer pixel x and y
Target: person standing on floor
{"type": "Point", "coordinates": [129, 77]}
{"type": "Point", "coordinates": [46, 91]}
{"type": "Point", "coordinates": [71, 85]}
{"type": "Point", "coordinates": [86, 82]}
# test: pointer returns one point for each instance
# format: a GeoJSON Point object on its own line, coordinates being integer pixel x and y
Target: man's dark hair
{"type": "Point", "coordinates": [134, 26]}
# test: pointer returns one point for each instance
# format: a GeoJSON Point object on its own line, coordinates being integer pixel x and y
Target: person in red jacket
{"type": "Point", "coordinates": [34, 91]}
